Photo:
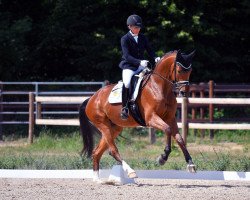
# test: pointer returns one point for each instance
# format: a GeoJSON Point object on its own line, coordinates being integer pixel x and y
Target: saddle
{"type": "Point", "coordinates": [134, 91]}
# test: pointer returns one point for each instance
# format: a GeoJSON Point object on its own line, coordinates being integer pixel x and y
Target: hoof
{"type": "Point", "coordinates": [110, 183]}
{"type": "Point", "coordinates": [191, 168]}
{"type": "Point", "coordinates": [98, 181]}
{"type": "Point", "coordinates": [160, 160]}
{"type": "Point", "coordinates": [132, 175]}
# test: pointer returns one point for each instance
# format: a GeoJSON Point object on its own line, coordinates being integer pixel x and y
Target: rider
{"type": "Point", "coordinates": [133, 46]}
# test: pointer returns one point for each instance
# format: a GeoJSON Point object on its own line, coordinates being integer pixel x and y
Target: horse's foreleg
{"type": "Point", "coordinates": [190, 165]}
{"type": "Point", "coordinates": [178, 138]}
{"type": "Point", "coordinates": [164, 157]}
{"type": "Point", "coordinates": [158, 123]}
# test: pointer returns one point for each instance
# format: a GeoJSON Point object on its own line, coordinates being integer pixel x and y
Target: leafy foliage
{"type": "Point", "coordinates": [80, 40]}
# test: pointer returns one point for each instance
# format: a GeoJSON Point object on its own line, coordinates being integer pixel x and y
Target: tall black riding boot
{"type": "Point", "coordinates": [125, 94]}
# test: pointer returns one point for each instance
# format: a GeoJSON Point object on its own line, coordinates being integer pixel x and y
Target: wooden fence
{"type": "Point", "coordinates": [14, 103]}
{"type": "Point", "coordinates": [14, 98]}
{"type": "Point", "coordinates": [184, 125]}
{"type": "Point", "coordinates": [212, 90]}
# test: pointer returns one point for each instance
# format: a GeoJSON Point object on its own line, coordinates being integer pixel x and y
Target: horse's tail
{"type": "Point", "coordinates": [87, 130]}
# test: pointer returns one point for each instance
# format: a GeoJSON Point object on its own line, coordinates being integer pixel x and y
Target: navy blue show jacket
{"type": "Point", "coordinates": [133, 52]}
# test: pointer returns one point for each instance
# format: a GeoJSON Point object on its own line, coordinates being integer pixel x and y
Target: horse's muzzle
{"type": "Point", "coordinates": [183, 87]}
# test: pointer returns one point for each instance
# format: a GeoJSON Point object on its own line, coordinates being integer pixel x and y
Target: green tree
{"type": "Point", "coordinates": [80, 40]}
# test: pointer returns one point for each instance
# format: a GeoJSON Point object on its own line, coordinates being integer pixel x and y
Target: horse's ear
{"type": "Point", "coordinates": [188, 58]}
{"type": "Point", "coordinates": [192, 54]}
{"type": "Point", "coordinates": [178, 54]}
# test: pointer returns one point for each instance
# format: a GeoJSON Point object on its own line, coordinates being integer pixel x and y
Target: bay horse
{"type": "Point", "coordinates": [157, 104]}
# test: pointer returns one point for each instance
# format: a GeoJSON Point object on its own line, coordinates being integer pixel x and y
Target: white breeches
{"type": "Point", "coordinates": [127, 75]}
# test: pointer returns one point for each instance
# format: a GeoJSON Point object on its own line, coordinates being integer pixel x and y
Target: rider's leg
{"type": "Point", "coordinates": [126, 77]}
{"type": "Point", "coordinates": [125, 94]}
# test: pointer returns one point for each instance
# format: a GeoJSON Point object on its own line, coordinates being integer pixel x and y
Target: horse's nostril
{"type": "Point", "coordinates": [182, 93]}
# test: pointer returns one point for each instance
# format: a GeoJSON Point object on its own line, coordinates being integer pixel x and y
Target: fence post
{"type": "Point", "coordinates": [211, 107]}
{"type": "Point", "coordinates": [193, 109]}
{"type": "Point", "coordinates": [151, 134]}
{"type": "Point", "coordinates": [184, 119]}
{"type": "Point", "coordinates": [1, 110]}
{"type": "Point", "coordinates": [202, 95]}
{"type": "Point", "coordinates": [31, 117]}
{"type": "Point", "coordinates": [194, 112]}
{"type": "Point", "coordinates": [39, 110]}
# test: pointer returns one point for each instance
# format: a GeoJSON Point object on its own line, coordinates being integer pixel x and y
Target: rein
{"type": "Point", "coordinates": [177, 84]}
{"type": "Point", "coordinates": [165, 79]}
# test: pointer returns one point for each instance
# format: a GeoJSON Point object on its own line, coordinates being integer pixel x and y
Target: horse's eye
{"type": "Point", "coordinates": [179, 71]}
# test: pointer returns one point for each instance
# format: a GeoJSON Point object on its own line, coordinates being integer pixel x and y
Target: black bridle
{"type": "Point", "coordinates": [180, 84]}
{"type": "Point", "coordinates": [177, 84]}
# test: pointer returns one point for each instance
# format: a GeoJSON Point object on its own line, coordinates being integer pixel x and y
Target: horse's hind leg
{"type": "Point", "coordinates": [110, 132]}
{"type": "Point", "coordinates": [97, 154]}
{"type": "Point", "coordinates": [131, 173]}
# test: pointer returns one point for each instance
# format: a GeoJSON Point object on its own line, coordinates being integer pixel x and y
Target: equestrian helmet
{"type": "Point", "coordinates": [134, 20]}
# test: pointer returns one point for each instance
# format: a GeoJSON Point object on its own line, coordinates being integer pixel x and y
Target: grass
{"type": "Point", "coordinates": [58, 148]}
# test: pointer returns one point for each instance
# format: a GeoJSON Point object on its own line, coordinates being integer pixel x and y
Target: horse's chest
{"type": "Point", "coordinates": [166, 107]}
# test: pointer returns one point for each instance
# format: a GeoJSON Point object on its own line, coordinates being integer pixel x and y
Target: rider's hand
{"type": "Point", "coordinates": [144, 63]}
{"type": "Point", "coordinates": [157, 59]}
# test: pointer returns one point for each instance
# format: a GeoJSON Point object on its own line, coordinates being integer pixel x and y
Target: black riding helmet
{"type": "Point", "coordinates": [134, 20]}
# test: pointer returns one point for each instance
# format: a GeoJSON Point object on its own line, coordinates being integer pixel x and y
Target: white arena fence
{"type": "Point", "coordinates": [145, 174]}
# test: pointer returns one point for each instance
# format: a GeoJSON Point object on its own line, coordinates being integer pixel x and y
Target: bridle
{"type": "Point", "coordinates": [180, 84]}
{"type": "Point", "coordinates": [177, 84]}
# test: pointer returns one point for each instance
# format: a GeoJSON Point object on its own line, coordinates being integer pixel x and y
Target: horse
{"type": "Point", "coordinates": [157, 104]}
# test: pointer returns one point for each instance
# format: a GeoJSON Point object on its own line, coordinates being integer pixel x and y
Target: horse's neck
{"type": "Point", "coordinates": [161, 77]}
{"type": "Point", "coordinates": [164, 68]}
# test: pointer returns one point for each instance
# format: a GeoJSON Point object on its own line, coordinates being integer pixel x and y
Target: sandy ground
{"type": "Point", "coordinates": [155, 189]}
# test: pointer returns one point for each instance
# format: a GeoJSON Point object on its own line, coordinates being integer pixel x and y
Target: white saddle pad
{"type": "Point", "coordinates": [115, 95]}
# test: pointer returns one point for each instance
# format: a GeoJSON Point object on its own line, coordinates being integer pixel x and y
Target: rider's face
{"type": "Point", "coordinates": [134, 29]}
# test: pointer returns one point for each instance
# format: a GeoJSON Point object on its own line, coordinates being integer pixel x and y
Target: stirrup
{"type": "Point", "coordinates": [124, 113]}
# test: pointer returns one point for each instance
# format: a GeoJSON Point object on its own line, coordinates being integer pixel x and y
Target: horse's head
{"type": "Point", "coordinates": [175, 67]}
{"type": "Point", "coordinates": [181, 72]}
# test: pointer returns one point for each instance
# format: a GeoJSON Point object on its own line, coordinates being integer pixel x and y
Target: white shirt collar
{"type": "Point", "coordinates": [135, 36]}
